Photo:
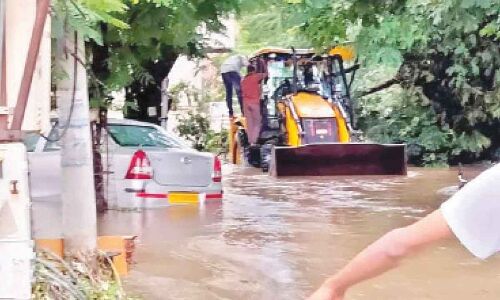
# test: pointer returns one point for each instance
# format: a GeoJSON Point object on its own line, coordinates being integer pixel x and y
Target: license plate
{"type": "Point", "coordinates": [321, 131]}
{"type": "Point", "coordinates": [183, 198]}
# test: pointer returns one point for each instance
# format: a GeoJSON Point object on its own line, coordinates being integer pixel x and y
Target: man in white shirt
{"type": "Point", "coordinates": [230, 71]}
{"type": "Point", "coordinates": [472, 216]}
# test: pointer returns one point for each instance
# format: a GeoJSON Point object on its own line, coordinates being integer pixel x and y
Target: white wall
{"type": "Point", "coordinates": [219, 116]}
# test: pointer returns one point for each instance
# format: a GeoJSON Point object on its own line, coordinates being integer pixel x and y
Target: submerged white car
{"type": "Point", "coordinates": [144, 166]}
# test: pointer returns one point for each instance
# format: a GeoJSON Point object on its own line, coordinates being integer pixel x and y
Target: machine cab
{"type": "Point", "coordinates": [304, 96]}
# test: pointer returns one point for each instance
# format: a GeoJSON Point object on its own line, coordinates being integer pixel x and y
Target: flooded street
{"type": "Point", "coordinates": [279, 238]}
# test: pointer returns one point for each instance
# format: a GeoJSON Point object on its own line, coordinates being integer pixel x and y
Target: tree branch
{"type": "Point", "coordinates": [380, 87]}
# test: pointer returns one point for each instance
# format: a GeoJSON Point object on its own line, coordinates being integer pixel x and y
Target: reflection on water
{"type": "Point", "coordinates": [278, 239]}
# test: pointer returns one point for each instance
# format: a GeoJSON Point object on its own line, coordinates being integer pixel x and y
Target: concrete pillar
{"type": "Point", "coordinates": [78, 192]}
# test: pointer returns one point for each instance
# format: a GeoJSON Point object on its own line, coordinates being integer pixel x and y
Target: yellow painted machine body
{"type": "Point", "coordinates": [235, 145]}
{"type": "Point", "coordinates": [305, 107]}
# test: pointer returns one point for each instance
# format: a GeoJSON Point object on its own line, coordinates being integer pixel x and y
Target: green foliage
{"type": "Point", "coordinates": [217, 142]}
{"type": "Point", "coordinates": [444, 54]}
{"type": "Point", "coordinates": [193, 96]}
{"type": "Point", "coordinates": [159, 30]}
{"type": "Point", "coordinates": [196, 129]}
{"type": "Point", "coordinates": [397, 115]}
{"type": "Point", "coordinates": [265, 24]}
{"type": "Point", "coordinates": [196, 98]}
{"type": "Point", "coordinates": [84, 16]}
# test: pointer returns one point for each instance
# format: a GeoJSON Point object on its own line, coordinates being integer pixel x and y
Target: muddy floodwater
{"type": "Point", "coordinates": [279, 238]}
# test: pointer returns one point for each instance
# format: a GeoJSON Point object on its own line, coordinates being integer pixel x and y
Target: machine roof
{"type": "Point", "coordinates": [346, 51]}
{"type": "Point", "coordinates": [286, 51]}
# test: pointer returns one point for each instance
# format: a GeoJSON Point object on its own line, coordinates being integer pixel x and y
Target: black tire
{"type": "Point", "coordinates": [265, 157]}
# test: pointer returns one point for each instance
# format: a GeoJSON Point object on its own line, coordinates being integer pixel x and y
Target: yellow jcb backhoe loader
{"type": "Point", "coordinates": [307, 119]}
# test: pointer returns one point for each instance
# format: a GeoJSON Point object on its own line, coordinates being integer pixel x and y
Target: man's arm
{"type": "Point", "coordinates": [385, 254]}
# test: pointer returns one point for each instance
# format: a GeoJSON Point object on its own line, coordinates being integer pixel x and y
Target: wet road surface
{"type": "Point", "coordinates": [279, 238]}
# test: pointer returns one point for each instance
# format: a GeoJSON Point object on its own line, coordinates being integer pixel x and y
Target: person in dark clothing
{"type": "Point", "coordinates": [230, 71]}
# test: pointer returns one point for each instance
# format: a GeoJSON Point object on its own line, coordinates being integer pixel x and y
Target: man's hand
{"type": "Point", "coordinates": [327, 291]}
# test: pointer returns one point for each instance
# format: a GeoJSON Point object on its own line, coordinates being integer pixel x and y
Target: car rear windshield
{"type": "Point", "coordinates": [145, 136]}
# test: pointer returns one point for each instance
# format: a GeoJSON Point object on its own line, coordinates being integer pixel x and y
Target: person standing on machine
{"type": "Point", "coordinates": [251, 91]}
{"type": "Point", "coordinates": [230, 71]}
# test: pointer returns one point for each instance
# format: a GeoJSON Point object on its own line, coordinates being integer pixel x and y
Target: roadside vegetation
{"type": "Point", "coordinates": [195, 128]}
{"type": "Point", "coordinates": [429, 73]}
{"type": "Point", "coordinates": [194, 125]}
{"type": "Point", "coordinates": [76, 278]}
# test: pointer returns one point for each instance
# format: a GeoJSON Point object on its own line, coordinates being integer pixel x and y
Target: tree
{"type": "Point", "coordinates": [141, 56]}
{"type": "Point", "coordinates": [266, 23]}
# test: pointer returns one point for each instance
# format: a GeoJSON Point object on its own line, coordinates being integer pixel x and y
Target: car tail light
{"type": "Point", "coordinates": [140, 167]}
{"type": "Point", "coordinates": [217, 174]}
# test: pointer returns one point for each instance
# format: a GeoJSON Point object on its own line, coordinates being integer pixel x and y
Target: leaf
{"type": "Point", "coordinates": [468, 3]}
{"type": "Point", "coordinates": [490, 29]}
{"type": "Point", "coordinates": [475, 69]}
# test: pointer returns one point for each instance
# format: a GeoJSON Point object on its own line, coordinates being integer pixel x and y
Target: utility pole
{"type": "Point", "coordinates": [78, 194]}
{"type": "Point", "coordinates": [164, 102]}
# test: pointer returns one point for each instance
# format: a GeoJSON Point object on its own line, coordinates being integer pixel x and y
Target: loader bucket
{"type": "Point", "coordinates": [339, 159]}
